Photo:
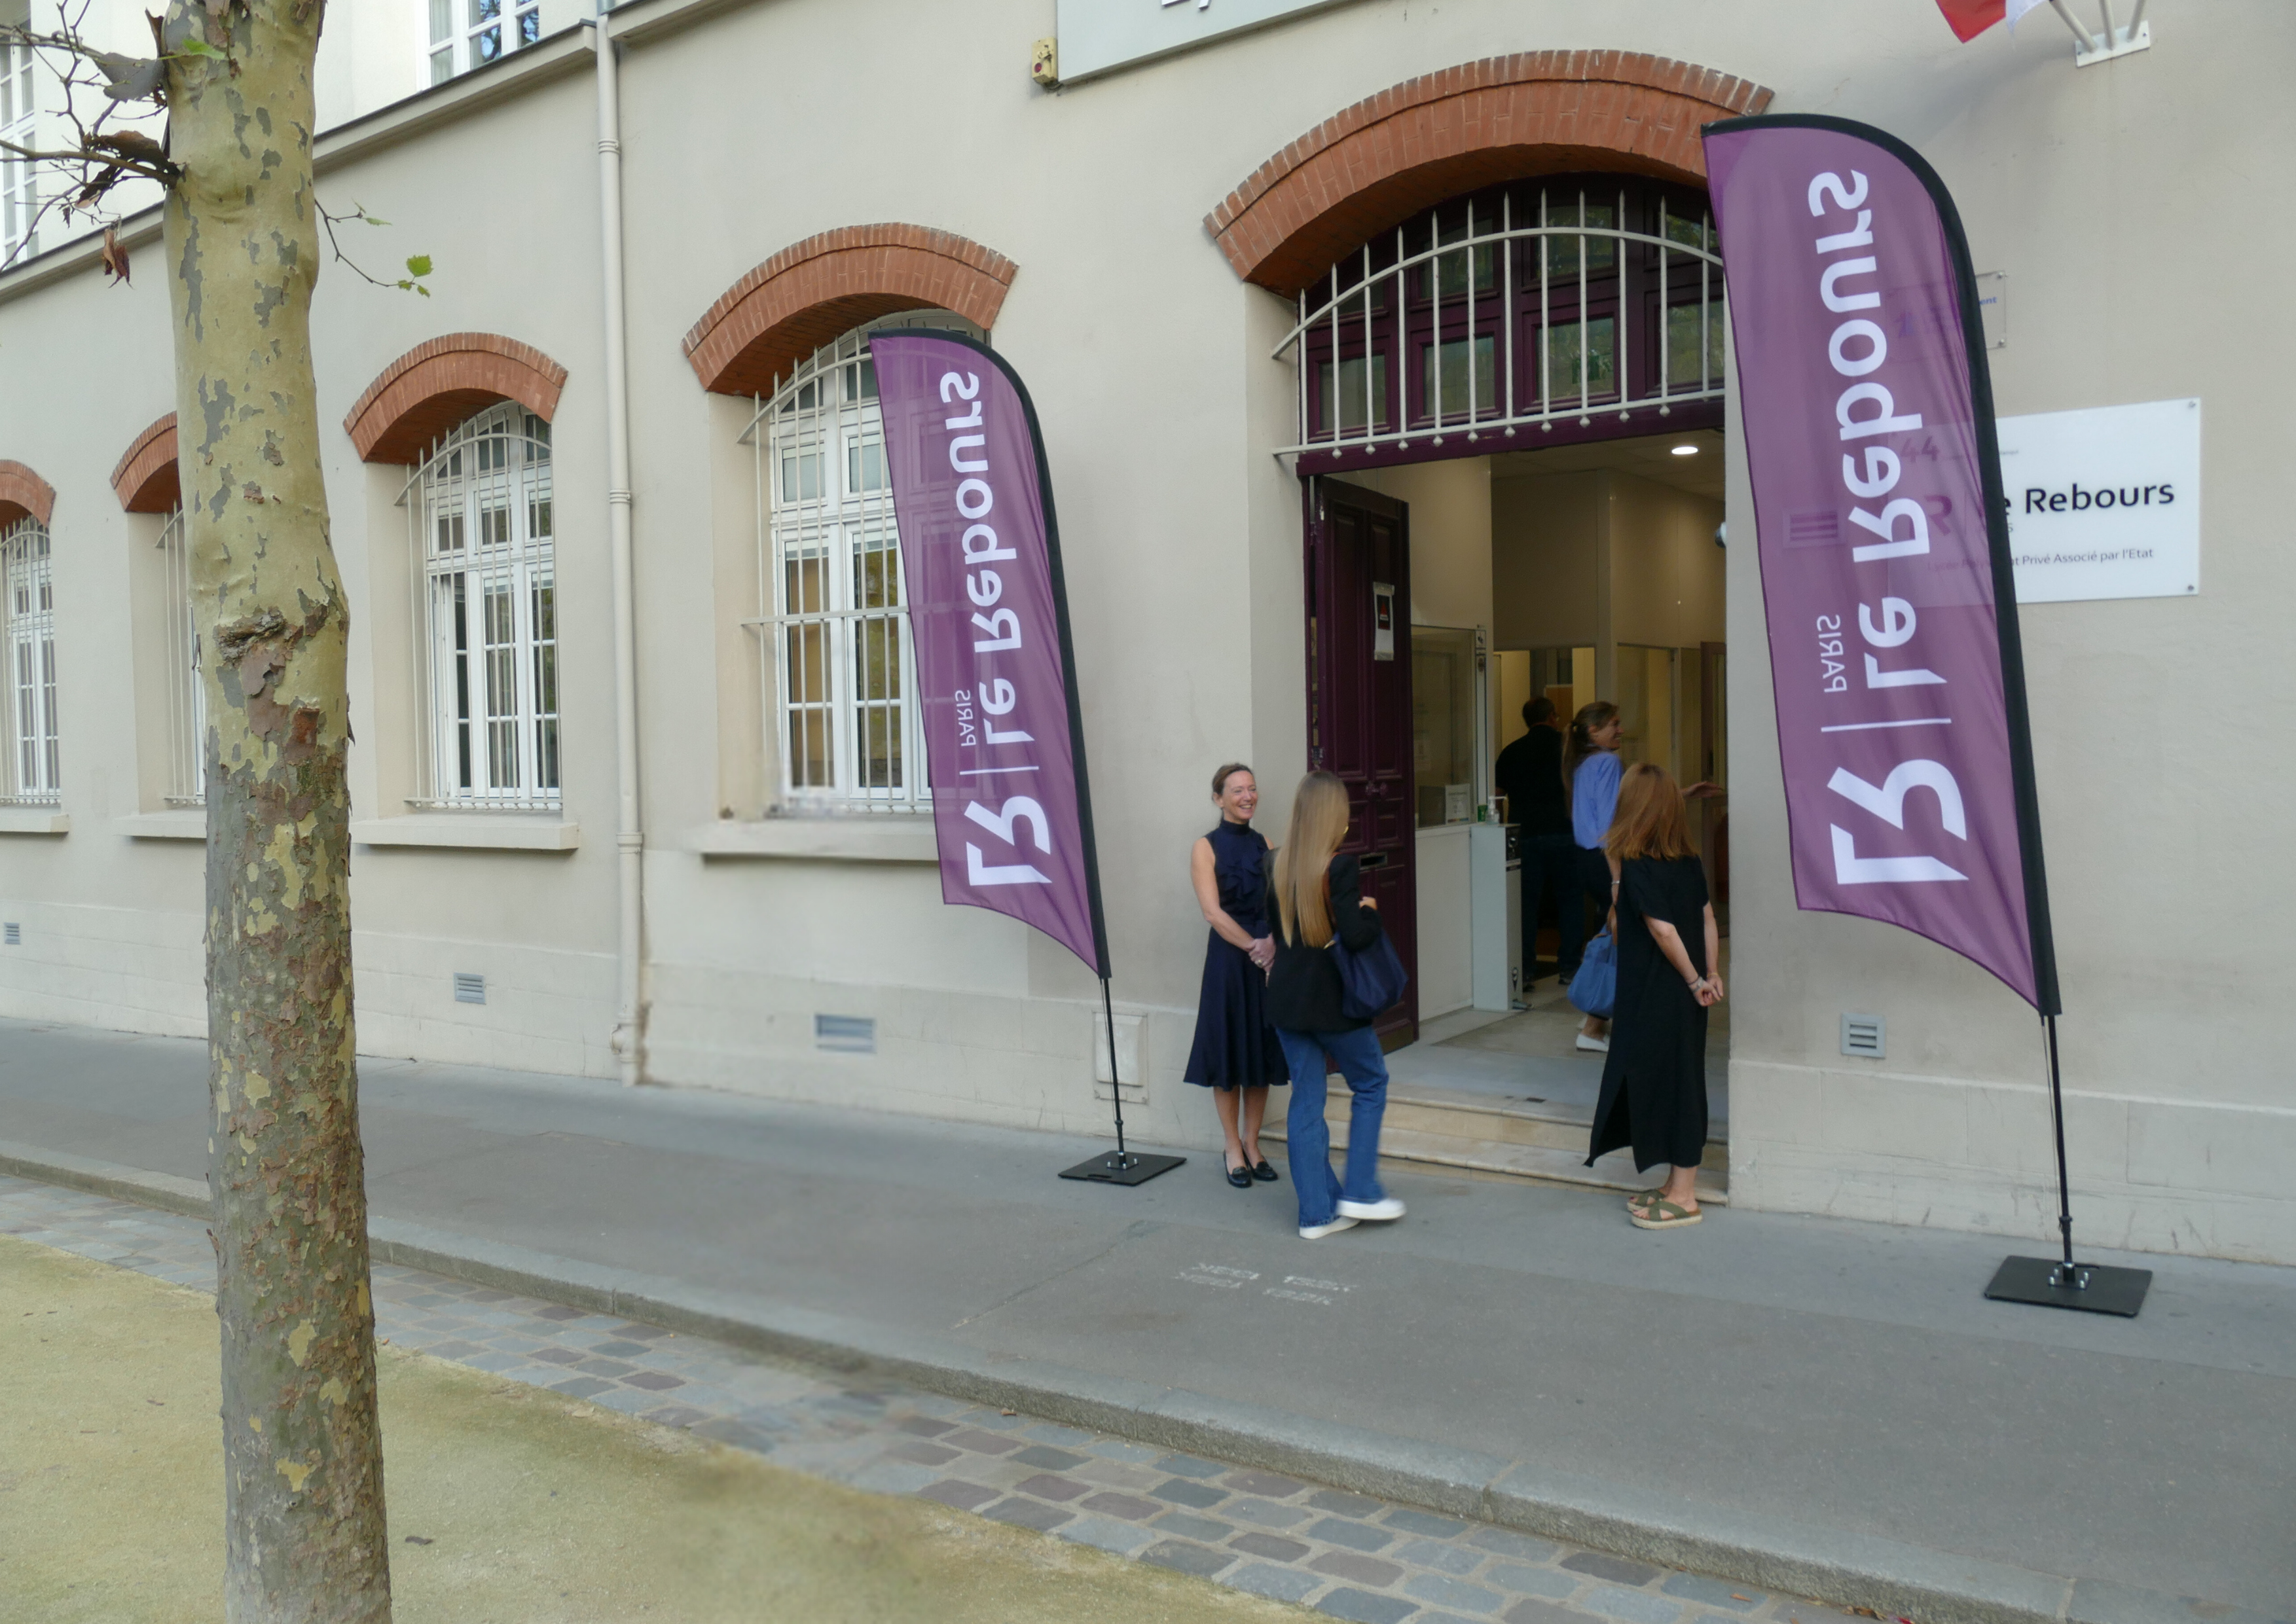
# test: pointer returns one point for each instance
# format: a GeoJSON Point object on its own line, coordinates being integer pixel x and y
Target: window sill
{"type": "Point", "coordinates": [175, 823]}
{"type": "Point", "coordinates": [469, 832]}
{"type": "Point", "coordinates": [906, 838]}
{"type": "Point", "coordinates": [34, 820]}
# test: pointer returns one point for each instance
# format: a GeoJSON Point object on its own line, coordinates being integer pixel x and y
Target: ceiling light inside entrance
{"type": "Point", "coordinates": [1686, 451]}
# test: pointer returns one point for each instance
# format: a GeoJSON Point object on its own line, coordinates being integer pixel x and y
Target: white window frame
{"type": "Point", "coordinates": [485, 627]}
{"type": "Point", "coordinates": [31, 774]}
{"type": "Point", "coordinates": [187, 694]}
{"type": "Point", "coordinates": [467, 34]}
{"type": "Point", "coordinates": [19, 193]}
{"type": "Point", "coordinates": [835, 655]}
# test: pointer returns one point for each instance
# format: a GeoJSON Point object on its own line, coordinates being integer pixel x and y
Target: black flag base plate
{"type": "Point", "coordinates": [1124, 1167]}
{"type": "Point", "coordinates": [2091, 1287]}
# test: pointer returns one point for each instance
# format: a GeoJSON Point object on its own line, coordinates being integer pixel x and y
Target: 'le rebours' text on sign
{"type": "Point", "coordinates": [1098, 35]}
{"type": "Point", "coordinates": [2106, 502]}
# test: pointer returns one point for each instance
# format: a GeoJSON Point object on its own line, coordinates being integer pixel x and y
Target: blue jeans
{"type": "Point", "coordinates": [1308, 1139]}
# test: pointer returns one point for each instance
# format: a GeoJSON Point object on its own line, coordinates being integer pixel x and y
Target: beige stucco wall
{"type": "Point", "coordinates": [1665, 572]}
{"type": "Point", "coordinates": [1162, 402]}
{"type": "Point", "coordinates": [1550, 551]}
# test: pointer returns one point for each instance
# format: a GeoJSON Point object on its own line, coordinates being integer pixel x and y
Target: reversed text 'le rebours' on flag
{"type": "Point", "coordinates": [1886, 578]}
{"type": "Point", "coordinates": [995, 673]}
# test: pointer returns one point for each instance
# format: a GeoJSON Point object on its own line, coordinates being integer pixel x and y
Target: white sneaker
{"type": "Point", "coordinates": [1594, 1046]}
{"type": "Point", "coordinates": [1316, 1232]}
{"type": "Point", "coordinates": [1378, 1211]}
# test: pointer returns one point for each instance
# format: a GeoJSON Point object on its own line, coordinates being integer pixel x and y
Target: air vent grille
{"type": "Point", "coordinates": [1865, 1036]}
{"type": "Point", "coordinates": [12, 935]}
{"type": "Point", "coordinates": [470, 987]}
{"type": "Point", "coordinates": [845, 1034]}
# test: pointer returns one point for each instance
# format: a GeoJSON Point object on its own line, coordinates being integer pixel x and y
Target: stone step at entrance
{"type": "Point", "coordinates": [1428, 1127]}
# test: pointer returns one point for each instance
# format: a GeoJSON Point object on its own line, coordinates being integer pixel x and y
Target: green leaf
{"type": "Point", "coordinates": [373, 220]}
{"type": "Point", "coordinates": [418, 265]}
{"type": "Point", "coordinates": [199, 47]}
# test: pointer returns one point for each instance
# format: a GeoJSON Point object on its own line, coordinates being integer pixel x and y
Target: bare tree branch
{"type": "Point", "coordinates": [418, 265]}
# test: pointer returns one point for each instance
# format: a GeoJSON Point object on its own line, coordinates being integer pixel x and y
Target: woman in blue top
{"type": "Point", "coordinates": [1235, 1054]}
{"type": "Point", "coordinates": [1590, 777]}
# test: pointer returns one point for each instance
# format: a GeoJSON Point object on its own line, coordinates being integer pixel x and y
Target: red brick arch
{"type": "Point", "coordinates": [437, 384]}
{"type": "Point", "coordinates": [1538, 113]}
{"type": "Point", "coordinates": [24, 495]}
{"type": "Point", "coordinates": [146, 481]}
{"type": "Point", "coordinates": [813, 291]}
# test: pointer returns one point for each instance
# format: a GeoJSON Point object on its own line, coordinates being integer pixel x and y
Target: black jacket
{"type": "Point", "coordinates": [1529, 773]}
{"type": "Point", "coordinates": [1303, 987]}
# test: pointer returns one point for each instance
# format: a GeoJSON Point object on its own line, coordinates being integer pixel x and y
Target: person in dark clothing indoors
{"type": "Point", "coordinates": [1530, 775]}
{"type": "Point", "coordinates": [1316, 896]}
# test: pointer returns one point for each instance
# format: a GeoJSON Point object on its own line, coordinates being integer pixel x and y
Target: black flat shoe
{"type": "Point", "coordinates": [1264, 1173]}
{"type": "Point", "coordinates": [1241, 1178]}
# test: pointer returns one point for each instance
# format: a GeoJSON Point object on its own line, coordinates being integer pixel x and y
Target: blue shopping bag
{"type": "Point", "coordinates": [1595, 987]}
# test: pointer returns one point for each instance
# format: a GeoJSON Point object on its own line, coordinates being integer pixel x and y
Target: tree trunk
{"type": "Point", "coordinates": [302, 1451]}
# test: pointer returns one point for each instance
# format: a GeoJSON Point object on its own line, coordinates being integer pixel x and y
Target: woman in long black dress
{"type": "Point", "coordinates": [1654, 1081]}
{"type": "Point", "coordinates": [1235, 1054]}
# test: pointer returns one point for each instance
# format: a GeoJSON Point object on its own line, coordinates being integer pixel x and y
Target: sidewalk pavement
{"type": "Point", "coordinates": [1821, 1407]}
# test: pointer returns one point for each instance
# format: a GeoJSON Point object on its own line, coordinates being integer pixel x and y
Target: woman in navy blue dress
{"type": "Point", "coordinates": [1235, 1054]}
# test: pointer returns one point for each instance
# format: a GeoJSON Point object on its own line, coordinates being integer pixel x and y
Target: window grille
{"type": "Point", "coordinates": [19, 186]}
{"type": "Point", "coordinates": [467, 34]}
{"type": "Point", "coordinates": [187, 695]}
{"type": "Point", "coordinates": [1518, 308]}
{"type": "Point", "coordinates": [487, 638]}
{"type": "Point", "coordinates": [27, 634]}
{"type": "Point", "coordinates": [833, 624]}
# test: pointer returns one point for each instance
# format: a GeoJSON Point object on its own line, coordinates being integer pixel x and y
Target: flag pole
{"type": "Point", "coordinates": [1123, 1166]}
{"type": "Point", "coordinates": [2063, 1283]}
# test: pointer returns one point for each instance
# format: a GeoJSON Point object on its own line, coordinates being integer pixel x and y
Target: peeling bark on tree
{"type": "Point", "coordinates": [302, 1452]}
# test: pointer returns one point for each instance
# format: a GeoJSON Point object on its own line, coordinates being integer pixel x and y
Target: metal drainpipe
{"type": "Point", "coordinates": [629, 1043]}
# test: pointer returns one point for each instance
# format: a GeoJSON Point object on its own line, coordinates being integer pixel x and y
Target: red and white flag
{"type": "Point", "coordinates": [1970, 18]}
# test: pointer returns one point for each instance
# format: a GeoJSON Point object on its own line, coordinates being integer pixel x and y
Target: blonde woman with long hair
{"type": "Point", "coordinates": [1653, 1095]}
{"type": "Point", "coordinates": [1317, 896]}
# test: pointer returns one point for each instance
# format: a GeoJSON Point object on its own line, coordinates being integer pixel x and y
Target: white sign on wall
{"type": "Point", "coordinates": [1096, 36]}
{"type": "Point", "coordinates": [2104, 502]}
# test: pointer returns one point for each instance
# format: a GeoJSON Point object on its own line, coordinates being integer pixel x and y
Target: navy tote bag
{"type": "Point", "coordinates": [1370, 982]}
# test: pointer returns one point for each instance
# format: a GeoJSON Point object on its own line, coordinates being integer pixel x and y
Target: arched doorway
{"type": "Point", "coordinates": [1507, 352]}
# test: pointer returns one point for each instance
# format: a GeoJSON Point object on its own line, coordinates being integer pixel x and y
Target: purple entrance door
{"type": "Point", "coordinates": [1360, 701]}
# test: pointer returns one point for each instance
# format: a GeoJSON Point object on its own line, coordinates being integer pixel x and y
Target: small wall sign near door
{"type": "Point", "coordinates": [1382, 620]}
{"type": "Point", "coordinates": [2104, 502]}
{"type": "Point", "coordinates": [1099, 35]}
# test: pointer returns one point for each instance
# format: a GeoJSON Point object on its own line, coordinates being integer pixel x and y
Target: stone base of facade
{"type": "Point", "coordinates": [2148, 1175]}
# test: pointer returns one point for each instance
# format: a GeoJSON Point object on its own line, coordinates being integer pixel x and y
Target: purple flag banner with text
{"type": "Point", "coordinates": [1884, 541]}
{"type": "Point", "coordinates": [996, 675]}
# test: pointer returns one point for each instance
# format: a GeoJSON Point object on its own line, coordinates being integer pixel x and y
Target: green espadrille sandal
{"type": "Point", "coordinates": [1663, 1215]}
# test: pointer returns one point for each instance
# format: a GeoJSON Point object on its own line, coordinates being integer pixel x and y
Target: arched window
{"type": "Point", "coordinates": [488, 626]}
{"type": "Point", "coordinates": [187, 695]}
{"type": "Point", "coordinates": [832, 618]}
{"type": "Point", "coordinates": [1571, 306]}
{"type": "Point", "coordinates": [28, 637]}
